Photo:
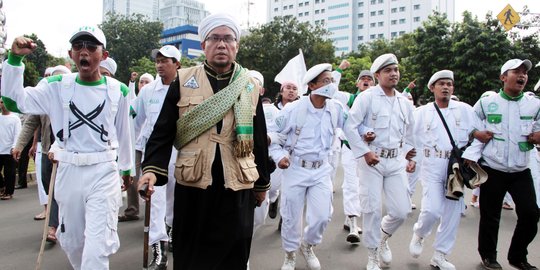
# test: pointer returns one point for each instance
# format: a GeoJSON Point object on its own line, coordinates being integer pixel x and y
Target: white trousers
{"type": "Point", "coordinates": [388, 177]}
{"type": "Point", "coordinates": [275, 184]}
{"type": "Point", "coordinates": [261, 212]}
{"type": "Point", "coordinates": [43, 198]}
{"type": "Point", "coordinates": [89, 198]}
{"type": "Point", "coordinates": [350, 186]}
{"type": "Point", "coordinates": [158, 231]}
{"type": "Point", "coordinates": [534, 165]}
{"type": "Point", "coordinates": [312, 187]}
{"type": "Point", "coordinates": [436, 208]}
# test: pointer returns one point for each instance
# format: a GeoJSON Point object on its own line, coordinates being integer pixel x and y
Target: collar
{"type": "Point", "coordinates": [94, 83]}
{"type": "Point", "coordinates": [212, 73]}
{"type": "Point", "coordinates": [509, 98]}
{"type": "Point", "coordinates": [379, 91]}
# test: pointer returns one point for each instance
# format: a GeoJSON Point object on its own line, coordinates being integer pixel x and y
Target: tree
{"type": "Point", "coordinates": [39, 57]}
{"type": "Point", "coordinates": [144, 65]}
{"type": "Point", "coordinates": [129, 39]}
{"type": "Point", "coordinates": [31, 74]}
{"type": "Point", "coordinates": [269, 47]}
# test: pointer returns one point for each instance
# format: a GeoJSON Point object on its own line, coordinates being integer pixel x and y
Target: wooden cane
{"type": "Point", "coordinates": [47, 216]}
{"type": "Point", "coordinates": [143, 191]}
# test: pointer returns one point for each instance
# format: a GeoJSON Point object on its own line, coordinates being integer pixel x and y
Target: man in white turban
{"type": "Point", "coordinates": [221, 169]}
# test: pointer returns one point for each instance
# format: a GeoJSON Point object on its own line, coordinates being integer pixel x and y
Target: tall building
{"type": "Point", "coordinates": [174, 13]}
{"type": "Point", "coordinates": [352, 22]}
{"type": "Point", "coordinates": [148, 8]}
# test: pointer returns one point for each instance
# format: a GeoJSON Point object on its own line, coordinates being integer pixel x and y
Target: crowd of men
{"type": "Point", "coordinates": [204, 147]}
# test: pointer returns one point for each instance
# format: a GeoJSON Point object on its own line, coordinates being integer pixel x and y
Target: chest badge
{"type": "Point", "coordinates": [191, 83]}
{"type": "Point", "coordinates": [493, 107]}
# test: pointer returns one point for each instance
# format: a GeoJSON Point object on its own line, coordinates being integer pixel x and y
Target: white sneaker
{"type": "Point", "coordinates": [373, 259]}
{"type": "Point", "coordinates": [290, 261]}
{"type": "Point", "coordinates": [312, 261]}
{"type": "Point", "coordinates": [347, 226]}
{"type": "Point", "coordinates": [413, 206]}
{"type": "Point", "coordinates": [439, 260]}
{"type": "Point", "coordinates": [416, 246]}
{"type": "Point", "coordinates": [384, 250]}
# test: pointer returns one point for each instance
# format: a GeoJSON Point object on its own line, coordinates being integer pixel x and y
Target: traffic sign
{"type": "Point", "coordinates": [508, 17]}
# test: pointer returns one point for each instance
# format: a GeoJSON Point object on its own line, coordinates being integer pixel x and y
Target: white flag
{"type": "Point", "coordinates": [294, 71]}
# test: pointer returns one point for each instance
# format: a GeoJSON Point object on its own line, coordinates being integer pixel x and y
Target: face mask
{"type": "Point", "coordinates": [326, 91]}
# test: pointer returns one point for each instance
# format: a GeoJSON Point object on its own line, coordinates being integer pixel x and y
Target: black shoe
{"type": "Point", "coordinates": [524, 265]}
{"type": "Point", "coordinates": [159, 256]}
{"type": "Point", "coordinates": [491, 264]}
{"type": "Point", "coordinates": [272, 210]}
{"type": "Point", "coordinates": [20, 186]}
{"type": "Point", "coordinates": [124, 218]}
{"type": "Point", "coordinates": [279, 226]}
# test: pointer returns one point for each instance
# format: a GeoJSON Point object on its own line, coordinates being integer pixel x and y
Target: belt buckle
{"type": "Point", "coordinates": [383, 153]}
{"type": "Point", "coordinates": [426, 152]}
{"type": "Point", "coordinates": [392, 153]}
{"type": "Point", "coordinates": [316, 164]}
{"type": "Point", "coordinates": [82, 159]}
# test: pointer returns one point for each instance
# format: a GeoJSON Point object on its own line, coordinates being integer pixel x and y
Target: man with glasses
{"type": "Point", "coordinates": [308, 125]}
{"type": "Point", "coordinates": [381, 163]}
{"type": "Point", "coordinates": [213, 116]}
{"type": "Point", "coordinates": [88, 113]}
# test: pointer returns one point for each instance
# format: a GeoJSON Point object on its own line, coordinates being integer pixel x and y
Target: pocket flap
{"type": "Point", "coordinates": [247, 163]}
{"type": "Point", "coordinates": [187, 158]}
{"type": "Point", "coordinates": [494, 118]}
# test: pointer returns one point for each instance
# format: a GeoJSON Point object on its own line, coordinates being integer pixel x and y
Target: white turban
{"type": "Point", "coordinates": [60, 69]}
{"type": "Point", "coordinates": [148, 76]}
{"type": "Point", "coordinates": [213, 21]}
{"type": "Point", "coordinates": [109, 64]}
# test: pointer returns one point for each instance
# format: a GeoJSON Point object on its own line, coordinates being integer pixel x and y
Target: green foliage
{"type": "Point", "coordinates": [129, 39]}
{"type": "Point", "coordinates": [39, 57]}
{"type": "Point", "coordinates": [31, 74]}
{"type": "Point", "coordinates": [349, 75]}
{"type": "Point", "coordinates": [269, 47]}
{"type": "Point", "coordinates": [144, 65]}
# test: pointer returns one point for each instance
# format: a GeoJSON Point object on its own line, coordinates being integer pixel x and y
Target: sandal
{"type": "Point", "coordinates": [6, 197]}
{"type": "Point", "coordinates": [40, 216]}
{"type": "Point", "coordinates": [507, 206]}
{"type": "Point", "coordinates": [51, 235]}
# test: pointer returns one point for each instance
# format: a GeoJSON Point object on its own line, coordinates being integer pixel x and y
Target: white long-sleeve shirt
{"type": "Point", "coordinates": [147, 106]}
{"type": "Point", "coordinates": [92, 128]}
{"type": "Point", "coordinates": [315, 138]}
{"type": "Point", "coordinates": [511, 121]}
{"type": "Point", "coordinates": [390, 117]}
{"type": "Point", "coordinates": [10, 127]}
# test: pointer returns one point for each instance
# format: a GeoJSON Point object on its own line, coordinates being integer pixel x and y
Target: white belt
{"type": "Point", "coordinates": [386, 152]}
{"type": "Point", "coordinates": [437, 153]}
{"type": "Point", "coordinates": [85, 159]}
{"type": "Point", "coordinates": [308, 164]}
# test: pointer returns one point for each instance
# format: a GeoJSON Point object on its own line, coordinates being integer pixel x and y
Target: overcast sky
{"type": "Point", "coordinates": [53, 21]}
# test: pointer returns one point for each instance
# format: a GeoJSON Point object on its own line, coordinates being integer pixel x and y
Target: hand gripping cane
{"type": "Point", "coordinates": [47, 216]}
{"type": "Point", "coordinates": [143, 191]}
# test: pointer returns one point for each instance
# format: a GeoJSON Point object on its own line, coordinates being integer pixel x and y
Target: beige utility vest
{"type": "Point", "coordinates": [194, 160]}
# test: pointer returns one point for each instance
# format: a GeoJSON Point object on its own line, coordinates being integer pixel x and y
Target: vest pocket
{"type": "Point", "coordinates": [249, 170]}
{"type": "Point", "coordinates": [187, 167]}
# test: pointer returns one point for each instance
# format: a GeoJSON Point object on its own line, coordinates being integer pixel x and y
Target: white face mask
{"type": "Point", "coordinates": [326, 91]}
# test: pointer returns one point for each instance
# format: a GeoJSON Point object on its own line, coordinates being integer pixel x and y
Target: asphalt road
{"type": "Point", "coordinates": [20, 238]}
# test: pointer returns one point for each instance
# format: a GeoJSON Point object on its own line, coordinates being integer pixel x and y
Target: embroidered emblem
{"type": "Point", "coordinates": [250, 87]}
{"type": "Point", "coordinates": [493, 107]}
{"type": "Point", "coordinates": [191, 83]}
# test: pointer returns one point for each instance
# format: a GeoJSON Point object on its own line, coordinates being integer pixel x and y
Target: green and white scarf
{"type": "Point", "coordinates": [212, 110]}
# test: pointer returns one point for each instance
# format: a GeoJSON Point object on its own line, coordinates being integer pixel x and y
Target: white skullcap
{"type": "Point", "coordinates": [92, 31]}
{"type": "Point", "coordinates": [383, 61]}
{"type": "Point", "coordinates": [48, 71]}
{"type": "Point", "coordinates": [315, 71]}
{"type": "Point", "coordinates": [147, 76]}
{"type": "Point", "coordinates": [60, 69]}
{"type": "Point", "coordinates": [515, 63]}
{"type": "Point", "coordinates": [109, 64]}
{"type": "Point", "coordinates": [216, 20]}
{"type": "Point", "coordinates": [442, 74]}
{"type": "Point", "coordinates": [257, 75]}
{"type": "Point", "coordinates": [365, 73]}
{"type": "Point", "coordinates": [168, 51]}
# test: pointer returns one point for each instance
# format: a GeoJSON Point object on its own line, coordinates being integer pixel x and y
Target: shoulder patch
{"type": "Point", "coordinates": [55, 78]}
{"type": "Point", "coordinates": [124, 89]}
{"type": "Point", "coordinates": [191, 83]}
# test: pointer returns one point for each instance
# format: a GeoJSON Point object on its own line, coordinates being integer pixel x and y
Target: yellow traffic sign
{"type": "Point", "coordinates": [508, 17]}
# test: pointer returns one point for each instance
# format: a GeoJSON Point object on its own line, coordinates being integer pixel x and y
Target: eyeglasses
{"type": "Point", "coordinates": [327, 80]}
{"type": "Point", "coordinates": [217, 39]}
{"type": "Point", "coordinates": [89, 45]}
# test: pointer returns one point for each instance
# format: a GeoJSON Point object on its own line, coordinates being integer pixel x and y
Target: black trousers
{"type": "Point", "coordinates": [22, 167]}
{"type": "Point", "coordinates": [521, 187]}
{"type": "Point", "coordinates": [7, 180]}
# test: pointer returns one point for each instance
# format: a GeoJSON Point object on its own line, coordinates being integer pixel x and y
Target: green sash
{"type": "Point", "coordinates": [212, 110]}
